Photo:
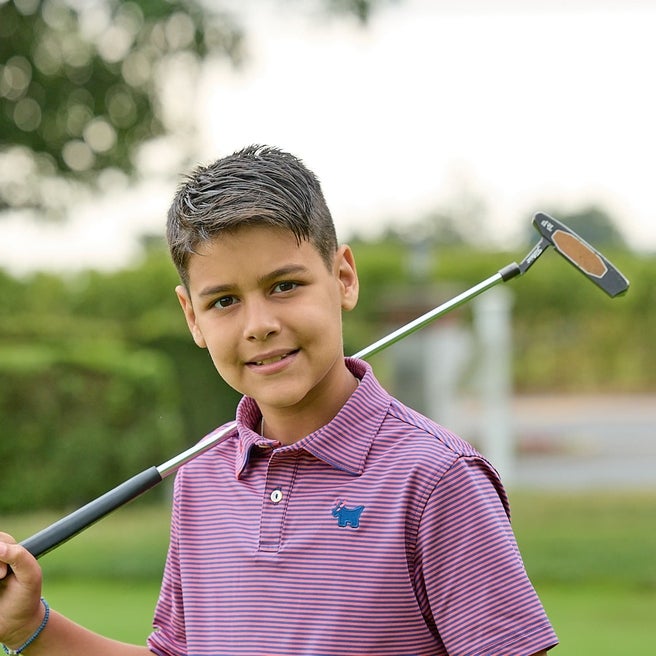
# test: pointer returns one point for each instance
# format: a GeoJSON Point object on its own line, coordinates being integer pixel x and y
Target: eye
{"type": "Point", "coordinates": [285, 286]}
{"type": "Point", "coordinates": [224, 302]}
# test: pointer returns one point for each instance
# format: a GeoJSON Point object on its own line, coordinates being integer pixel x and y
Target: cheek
{"type": "Point", "coordinates": [322, 323]}
{"type": "Point", "coordinates": [226, 370]}
{"type": "Point", "coordinates": [220, 348]}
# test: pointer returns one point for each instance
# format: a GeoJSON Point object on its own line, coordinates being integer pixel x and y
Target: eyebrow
{"type": "Point", "coordinates": [282, 272]}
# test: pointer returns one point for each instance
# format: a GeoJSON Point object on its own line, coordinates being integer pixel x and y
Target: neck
{"type": "Point", "coordinates": [290, 426]}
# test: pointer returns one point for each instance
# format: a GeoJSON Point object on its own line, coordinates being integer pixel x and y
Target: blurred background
{"type": "Point", "coordinates": [438, 128]}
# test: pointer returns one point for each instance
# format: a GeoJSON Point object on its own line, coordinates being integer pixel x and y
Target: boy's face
{"type": "Point", "coordinates": [269, 312]}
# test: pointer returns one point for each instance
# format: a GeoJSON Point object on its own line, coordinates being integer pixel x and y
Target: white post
{"type": "Point", "coordinates": [493, 327]}
{"type": "Point", "coordinates": [428, 369]}
{"type": "Point", "coordinates": [446, 355]}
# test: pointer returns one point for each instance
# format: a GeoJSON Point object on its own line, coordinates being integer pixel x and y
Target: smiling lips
{"type": "Point", "coordinates": [271, 359]}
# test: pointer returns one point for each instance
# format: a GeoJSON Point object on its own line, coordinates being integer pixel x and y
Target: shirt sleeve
{"type": "Point", "coordinates": [169, 638]}
{"type": "Point", "coordinates": [470, 576]}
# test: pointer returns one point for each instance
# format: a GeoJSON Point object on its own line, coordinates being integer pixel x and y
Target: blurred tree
{"type": "Point", "coordinates": [81, 84]}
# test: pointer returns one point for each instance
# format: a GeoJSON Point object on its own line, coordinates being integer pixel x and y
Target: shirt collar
{"type": "Point", "coordinates": [343, 443]}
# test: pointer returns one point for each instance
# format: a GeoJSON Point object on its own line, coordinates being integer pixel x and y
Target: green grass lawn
{"type": "Point", "coordinates": [119, 609]}
{"type": "Point", "coordinates": [592, 559]}
{"type": "Point", "coordinates": [601, 620]}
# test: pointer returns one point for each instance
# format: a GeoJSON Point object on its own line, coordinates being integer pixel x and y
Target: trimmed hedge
{"type": "Point", "coordinates": [78, 419]}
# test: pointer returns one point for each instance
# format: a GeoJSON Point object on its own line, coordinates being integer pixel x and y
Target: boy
{"type": "Point", "coordinates": [335, 520]}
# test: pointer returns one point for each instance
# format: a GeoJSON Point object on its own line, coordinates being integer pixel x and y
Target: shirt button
{"type": "Point", "coordinates": [276, 496]}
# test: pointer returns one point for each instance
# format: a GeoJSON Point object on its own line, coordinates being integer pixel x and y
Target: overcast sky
{"type": "Point", "coordinates": [528, 105]}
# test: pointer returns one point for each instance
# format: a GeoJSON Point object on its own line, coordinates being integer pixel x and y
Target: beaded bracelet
{"type": "Point", "coordinates": [35, 635]}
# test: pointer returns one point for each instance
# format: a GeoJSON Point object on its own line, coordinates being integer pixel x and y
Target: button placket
{"type": "Point", "coordinates": [280, 476]}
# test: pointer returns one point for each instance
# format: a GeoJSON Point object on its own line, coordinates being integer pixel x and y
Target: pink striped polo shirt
{"type": "Point", "coordinates": [380, 533]}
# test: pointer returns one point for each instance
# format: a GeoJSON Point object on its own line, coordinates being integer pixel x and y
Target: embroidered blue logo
{"type": "Point", "coordinates": [347, 516]}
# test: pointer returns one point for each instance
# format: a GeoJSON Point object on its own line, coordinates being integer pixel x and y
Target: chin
{"type": "Point", "coordinates": [282, 398]}
{"type": "Point", "coordinates": [281, 401]}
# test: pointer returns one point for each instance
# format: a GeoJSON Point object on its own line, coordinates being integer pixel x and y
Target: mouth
{"type": "Point", "coordinates": [272, 359]}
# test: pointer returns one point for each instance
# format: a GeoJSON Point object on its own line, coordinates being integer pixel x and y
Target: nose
{"type": "Point", "coordinates": [261, 322]}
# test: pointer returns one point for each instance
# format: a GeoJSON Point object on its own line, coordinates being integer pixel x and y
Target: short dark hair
{"type": "Point", "coordinates": [258, 185]}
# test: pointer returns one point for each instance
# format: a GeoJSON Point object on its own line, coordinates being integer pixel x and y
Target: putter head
{"type": "Point", "coordinates": [585, 258]}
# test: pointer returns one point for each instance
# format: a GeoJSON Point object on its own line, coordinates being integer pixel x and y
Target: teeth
{"type": "Point", "coordinates": [270, 360]}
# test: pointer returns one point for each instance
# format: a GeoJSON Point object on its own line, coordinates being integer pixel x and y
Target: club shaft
{"type": "Point", "coordinates": [428, 317]}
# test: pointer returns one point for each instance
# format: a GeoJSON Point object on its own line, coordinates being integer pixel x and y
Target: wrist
{"type": "Point", "coordinates": [20, 643]}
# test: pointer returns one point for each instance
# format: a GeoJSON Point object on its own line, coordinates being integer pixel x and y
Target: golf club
{"type": "Point", "coordinates": [552, 233]}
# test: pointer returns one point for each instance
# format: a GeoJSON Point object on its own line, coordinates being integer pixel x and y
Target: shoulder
{"type": "Point", "coordinates": [423, 436]}
{"type": "Point", "coordinates": [425, 454]}
{"type": "Point", "coordinates": [372, 406]}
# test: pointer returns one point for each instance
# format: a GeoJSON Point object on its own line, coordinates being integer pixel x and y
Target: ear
{"type": "Point", "coordinates": [347, 276]}
{"type": "Point", "coordinates": [188, 309]}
